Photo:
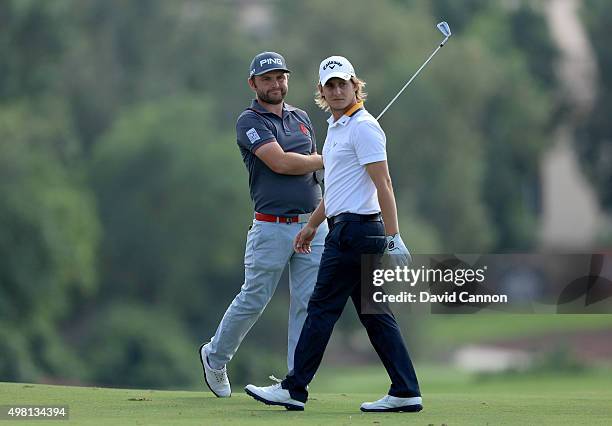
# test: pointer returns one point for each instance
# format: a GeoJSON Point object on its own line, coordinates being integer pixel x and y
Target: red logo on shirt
{"type": "Point", "coordinates": [304, 129]}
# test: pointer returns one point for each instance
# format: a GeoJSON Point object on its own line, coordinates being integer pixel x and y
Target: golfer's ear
{"type": "Point", "coordinates": [251, 81]}
{"type": "Point", "coordinates": [320, 90]}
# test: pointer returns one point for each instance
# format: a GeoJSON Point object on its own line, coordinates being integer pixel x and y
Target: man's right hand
{"type": "Point", "coordinates": [302, 241]}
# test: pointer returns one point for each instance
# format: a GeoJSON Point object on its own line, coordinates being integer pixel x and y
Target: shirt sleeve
{"type": "Point", "coordinates": [252, 131]}
{"type": "Point", "coordinates": [370, 143]}
{"type": "Point", "coordinates": [312, 137]}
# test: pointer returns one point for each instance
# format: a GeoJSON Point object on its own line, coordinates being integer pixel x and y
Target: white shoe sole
{"type": "Point", "coordinates": [404, 409]}
{"type": "Point", "coordinates": [288, 406]}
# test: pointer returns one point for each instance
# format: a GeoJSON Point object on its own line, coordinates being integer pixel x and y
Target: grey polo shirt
{"type": "Point", "coordinates": [273, 193]}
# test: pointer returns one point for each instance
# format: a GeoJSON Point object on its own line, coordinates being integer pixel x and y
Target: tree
{"type": "Point", "coordinates": [464, 140]}
{"type": "Point", "coordinates": [48, 238]}
{"type": "Point", "coordinates": [129, 344]}
{"type": "Point", "coordinates": [594, 134]}
{"type": "Point", "coordinates": [33, 41]}
{"type": "Point", "coordinates": [172, 194]}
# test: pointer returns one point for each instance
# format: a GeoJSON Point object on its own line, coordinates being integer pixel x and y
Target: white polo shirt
{"type": "Point", "coordinates": [354, 140]}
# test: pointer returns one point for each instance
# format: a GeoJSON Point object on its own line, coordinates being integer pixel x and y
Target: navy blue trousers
{"type": "Point", "coordinates": [338, 279]}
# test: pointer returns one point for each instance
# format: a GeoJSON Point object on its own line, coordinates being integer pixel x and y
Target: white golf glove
{"type": "Point", "coordinates": [396, 252]}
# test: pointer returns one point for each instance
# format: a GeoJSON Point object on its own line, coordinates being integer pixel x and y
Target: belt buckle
{"type": "Point", "coordinates": [288, 220]}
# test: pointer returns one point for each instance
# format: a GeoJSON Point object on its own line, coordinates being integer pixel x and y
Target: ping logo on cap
{"type": "Point", "coordinates": [331, 64]}
{"type": "Point", "coordinates": [265, 62]}
{"type": "Point", "coordinates": [270, 61]}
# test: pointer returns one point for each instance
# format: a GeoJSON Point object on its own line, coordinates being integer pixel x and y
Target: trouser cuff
{"type": "Point", "coordinates": [297, 392]}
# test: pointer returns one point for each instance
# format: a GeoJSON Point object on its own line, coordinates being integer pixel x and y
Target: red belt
{"type": "Point", "coordinates": [281, 219]}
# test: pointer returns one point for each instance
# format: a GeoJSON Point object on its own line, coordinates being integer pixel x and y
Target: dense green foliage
{"type": "Point", "coordinates": [594, 142]}
{"type": "Point", "coordinates": [123, 198]}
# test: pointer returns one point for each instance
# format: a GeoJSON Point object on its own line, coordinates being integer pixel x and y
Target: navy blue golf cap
{"type": "Point", "coordinates": [265, 62]}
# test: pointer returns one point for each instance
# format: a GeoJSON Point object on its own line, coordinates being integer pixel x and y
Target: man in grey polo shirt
{"type": "Point", "coordinates": [278, 148]}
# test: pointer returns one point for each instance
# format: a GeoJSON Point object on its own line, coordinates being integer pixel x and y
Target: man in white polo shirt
{"type": "Point", "coordinates": [358, 197]}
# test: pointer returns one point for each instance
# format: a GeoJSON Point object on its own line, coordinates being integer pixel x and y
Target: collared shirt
{"type": "Point", "coordinates": [353, 141]}
{"type": "Point", "coordinates": [273, 193]}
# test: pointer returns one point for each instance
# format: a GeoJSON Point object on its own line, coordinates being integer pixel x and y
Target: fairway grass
{"type": "Point", "coordinates": [452, 330]}
{"type": "Point", "coordinates": [543, 400]}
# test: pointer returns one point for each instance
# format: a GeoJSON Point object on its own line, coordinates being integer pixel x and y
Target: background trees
{"type": "Point", "coordinates": [123, 198]}
{"type": "Point", "coordinates": [594, 143]}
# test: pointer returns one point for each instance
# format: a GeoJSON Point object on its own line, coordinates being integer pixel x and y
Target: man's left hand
{"type": "Point", "coordinates": [399, 254]}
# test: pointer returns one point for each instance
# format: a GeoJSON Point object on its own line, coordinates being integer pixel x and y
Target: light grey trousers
{"type": "Point", "coordinates": [269, 248]}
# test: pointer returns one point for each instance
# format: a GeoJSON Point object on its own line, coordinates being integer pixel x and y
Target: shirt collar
{"type": "Point", "coordinates": [257, 107]}
{"type": "Point", "coordinates": [344, 120]}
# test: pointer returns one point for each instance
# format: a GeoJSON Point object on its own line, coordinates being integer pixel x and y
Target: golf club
{"type": "Point", "coordinates": [444, 29]}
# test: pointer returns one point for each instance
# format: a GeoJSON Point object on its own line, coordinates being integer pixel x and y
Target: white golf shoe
{"type": "Point", "coordinates": [274, 395]}
{"type": "Point", "coordinates": [217, 380]}
{"type": "Point", "coordinates": [390, 403]}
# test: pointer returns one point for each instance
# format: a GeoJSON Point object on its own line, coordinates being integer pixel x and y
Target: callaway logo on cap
{"type": "Point", "coordinates": [331, 64]}
{"type": "Point", "coordinates": [265, 62]}
{"type": "Point", "coordinates": [335, 66]}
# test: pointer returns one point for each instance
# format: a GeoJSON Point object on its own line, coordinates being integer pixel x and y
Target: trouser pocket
{"type": "Point", "coordinates": [251, 243]}
{"type": "Point", "coordinates": [365, 237]}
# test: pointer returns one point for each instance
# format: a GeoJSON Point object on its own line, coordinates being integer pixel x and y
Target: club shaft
{"type": "Point", "coordinates": [411, 78]}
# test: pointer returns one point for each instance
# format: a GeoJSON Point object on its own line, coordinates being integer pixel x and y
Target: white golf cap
{"type": "Point", "coordinates": [335, 66]}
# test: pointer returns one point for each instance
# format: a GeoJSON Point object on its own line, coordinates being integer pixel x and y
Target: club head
{"type": "Point", "coordinates": [444, 29]}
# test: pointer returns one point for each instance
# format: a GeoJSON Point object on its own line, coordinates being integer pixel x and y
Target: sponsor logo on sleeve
{"type": "Point", "coordinates": [253, 135]}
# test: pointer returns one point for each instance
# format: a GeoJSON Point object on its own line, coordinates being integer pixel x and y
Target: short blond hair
{"type": "Point", "coordinates": [360, 94]}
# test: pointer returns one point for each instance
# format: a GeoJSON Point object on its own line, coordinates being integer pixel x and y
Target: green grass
{"type": "Point", "coordinates": [450, 398]}
{"type": "Point", "coordinates": [459, 329]}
